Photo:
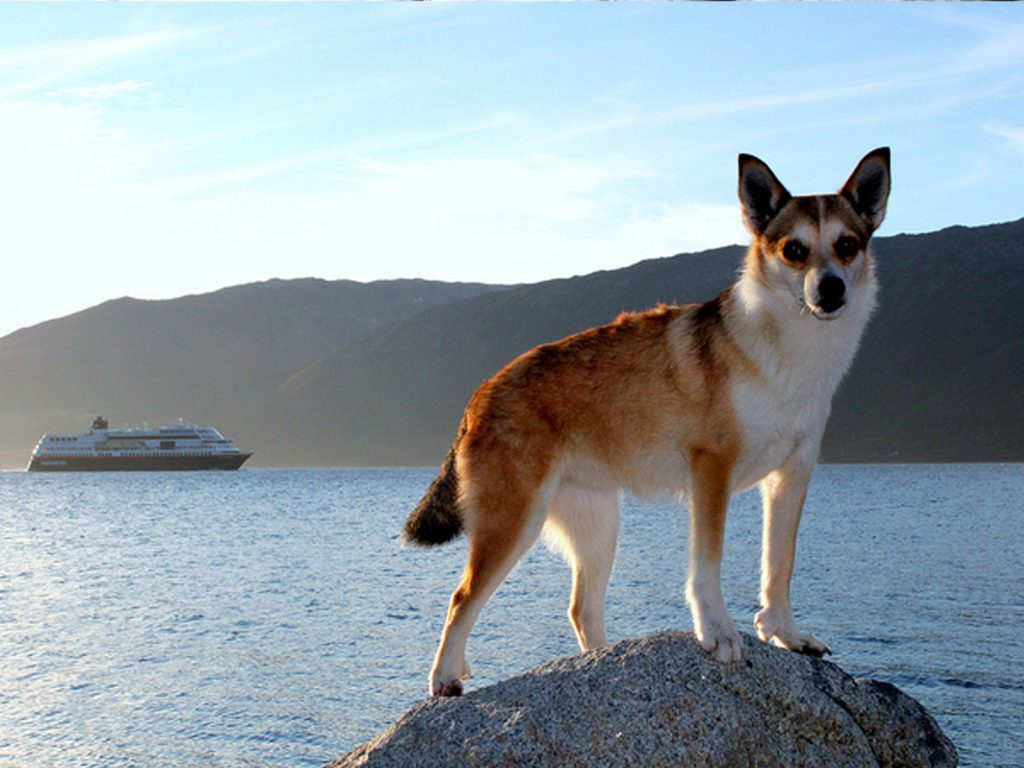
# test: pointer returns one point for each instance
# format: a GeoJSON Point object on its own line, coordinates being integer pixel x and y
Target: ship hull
{"type": "Point", "coordinates": [136, 463]}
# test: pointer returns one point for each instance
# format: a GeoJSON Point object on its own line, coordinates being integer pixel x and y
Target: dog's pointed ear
{"type": "Point", "coordinates": [867, 189]}
{"type": "Point", "coordinates": [761, 194]}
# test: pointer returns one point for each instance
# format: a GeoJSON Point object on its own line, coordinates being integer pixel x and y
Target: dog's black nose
{"type": "Point", "coordinates": [831, 293]}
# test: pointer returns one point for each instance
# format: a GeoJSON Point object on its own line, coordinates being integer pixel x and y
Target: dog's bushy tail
{"type": "Point", "coordinates": [436, 518]}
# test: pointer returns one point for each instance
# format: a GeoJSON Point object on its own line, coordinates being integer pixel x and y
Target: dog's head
{"type": "Point", "coordinates": [812, 250]}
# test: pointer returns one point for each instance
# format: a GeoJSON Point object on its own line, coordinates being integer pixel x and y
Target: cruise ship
{"type": "Point", "coordinates": [180, 446]}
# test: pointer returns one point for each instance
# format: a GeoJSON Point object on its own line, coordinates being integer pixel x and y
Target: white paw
{"type": "Point", "coordinates": [720, 639]}
{"type": "Point", "coordinates": [777, 627]}
{"type": "Point", "coordinates": [448, 684]}
{"type": "Point", "coordinates": [711, 623]}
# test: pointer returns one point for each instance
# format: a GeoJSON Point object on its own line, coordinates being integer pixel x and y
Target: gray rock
{"type": "Point", "coordinates": [661, 701]}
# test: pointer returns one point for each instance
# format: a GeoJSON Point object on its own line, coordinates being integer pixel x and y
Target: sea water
{"type": "Point", "coordinates": [273, 618]}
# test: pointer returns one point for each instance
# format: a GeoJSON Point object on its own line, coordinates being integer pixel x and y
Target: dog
{"type": "Point", "coordinates": [697, 401]}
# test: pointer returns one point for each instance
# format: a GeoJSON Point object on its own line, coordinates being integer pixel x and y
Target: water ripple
{"type": "Point", "coordinates": [274, 618]}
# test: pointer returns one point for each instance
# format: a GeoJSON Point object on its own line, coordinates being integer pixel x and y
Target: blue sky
{"type": "Point", "coordinates": [158, 150]}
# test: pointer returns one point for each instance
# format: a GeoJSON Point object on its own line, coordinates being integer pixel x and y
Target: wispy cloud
{"type": "Point", "coordinates": [542, 213]}
{"type": "Point", "coordinates": [1012, 134]}
{"type": "Point", "coordinates": [747, 105]}
{"type": "Point", "coordinates": [976, 172]}
{"type": "Point", "coordinates": [999, 40]}
{"type": "Point", "coordinates": [27, 70]}
{"type": "Point", "coordinates": [919, 83]}
{"type": "Point", "coordinates": [102, 91]}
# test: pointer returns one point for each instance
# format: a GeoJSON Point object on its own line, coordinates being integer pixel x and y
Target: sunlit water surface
{"type": "Point", "coordinates": [273, 618]}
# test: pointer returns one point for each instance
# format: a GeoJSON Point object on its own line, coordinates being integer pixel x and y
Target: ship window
{"type": "Point", "coordinates": [167, 444]}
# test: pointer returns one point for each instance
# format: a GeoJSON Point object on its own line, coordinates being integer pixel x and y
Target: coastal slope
{"type": "Point", "coordinates": [320, 373]}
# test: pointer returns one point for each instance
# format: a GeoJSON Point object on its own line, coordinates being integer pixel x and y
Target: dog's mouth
{"type": "Point", "coordinates": [820, 313]}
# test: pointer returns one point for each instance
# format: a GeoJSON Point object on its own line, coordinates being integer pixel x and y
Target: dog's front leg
{"type": "Point", "coordinates": [783, 493]}
{"type": "Point", "coordinates": [709, 502]}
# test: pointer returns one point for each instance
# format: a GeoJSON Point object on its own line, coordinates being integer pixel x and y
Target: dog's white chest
{"type": "Point", "coordinates": [783, 416]}
{"type": "Point", "coordinates": [775, 424]}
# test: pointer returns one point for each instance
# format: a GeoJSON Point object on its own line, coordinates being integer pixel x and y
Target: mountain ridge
{"type": "Point", "coordinates": [156, 360]}
{"type": "Point", "coordinates": [307, 373]}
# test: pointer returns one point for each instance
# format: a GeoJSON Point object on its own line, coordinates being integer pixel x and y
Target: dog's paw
{"type": "Point", "coordinates": [452, 688]}
{"type": "Point", "coordinates": [777, 627]}
{"type": "Point", "coordinates": [442, 684]}
{"type": "Point", "coordinates": [809, 645]}
{"type": "Point", "coordinates": [721, 641]}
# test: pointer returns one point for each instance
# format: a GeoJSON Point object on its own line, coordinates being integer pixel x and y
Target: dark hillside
{"type": "Point", "coordinates": [395, 396]}
{"type": "Point", "coordinates": [940, 375]}
{"type": "Point", "coordinates": [937, 379]}
{"type": "Point", "coordinates": [190, 357]}
{"type": "Point", "coordinates": [316, 373]}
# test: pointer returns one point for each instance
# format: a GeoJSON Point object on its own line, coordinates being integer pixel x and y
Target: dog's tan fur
{"type": "Point", "coordinates": [699, 400]}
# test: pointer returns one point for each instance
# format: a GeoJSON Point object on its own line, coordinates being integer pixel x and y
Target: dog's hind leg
{"type": "Point", "coordinates": [783, 493]}
{"type": "Point", "coordinates": [496, 542]}
{"type": "Point", "coordinates": [584, 525]}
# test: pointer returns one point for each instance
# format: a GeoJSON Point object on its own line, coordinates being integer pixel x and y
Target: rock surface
{"type": "Point", "coordinates": [661, 701]}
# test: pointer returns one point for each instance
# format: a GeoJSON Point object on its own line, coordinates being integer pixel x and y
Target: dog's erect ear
{"type": "Point", "coordinates": [761, 194]}
{"type": "Point", "coordinates": [867, 189]}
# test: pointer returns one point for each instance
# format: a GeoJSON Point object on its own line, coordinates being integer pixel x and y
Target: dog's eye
{"type": "Point", "coordinates": [846, 247]}
{"type": "Point", "coordinates": [795, 251]}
